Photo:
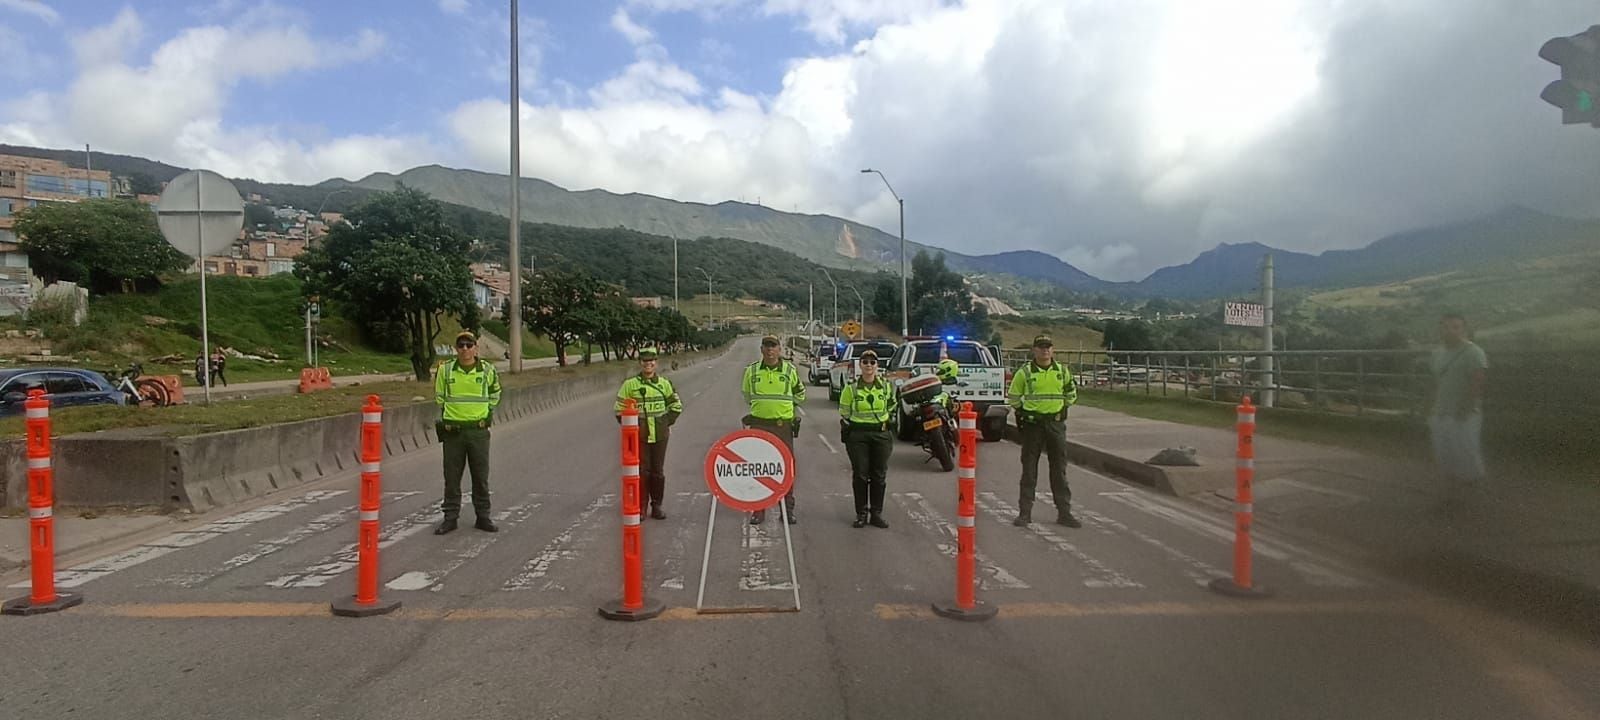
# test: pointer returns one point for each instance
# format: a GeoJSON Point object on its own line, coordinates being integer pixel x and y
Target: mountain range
{"type": "Point", "coordinates": [1508, 234]}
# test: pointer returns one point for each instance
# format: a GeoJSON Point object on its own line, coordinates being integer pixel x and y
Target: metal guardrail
{"type": "Point", "coordinates": [1346, 382]}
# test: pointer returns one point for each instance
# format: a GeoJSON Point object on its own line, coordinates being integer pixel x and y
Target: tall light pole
{"type": "Point", "coordinates": [862, 316]}
{"type": "Point", "coordinates": [514, 323]}
{"type": "Point", "coordinates": [835, 301]}
{"type": "Point", "coordinates": [712, 312]}
{"type": "Point", "coordinates": [905, 314]}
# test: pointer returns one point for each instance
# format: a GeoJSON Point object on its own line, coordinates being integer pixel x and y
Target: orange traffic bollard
{"type": "Point", "coordinates": [1242, 584]}
{"type": "Point", "coordinates": [633, 606]}
{"type": "Point", "coordinates": [967, 606]}
{"type": "Point", "coordinates": [365, 602]}
{"type": "Point", "coordinates": [41, 520]}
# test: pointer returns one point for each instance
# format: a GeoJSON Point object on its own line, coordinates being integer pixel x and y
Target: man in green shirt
{"type": "Point", "coordinates": [1040, 392]}
{"type": "Point", "coordinates": [772, 388]}
{"type": "Point", "coordinates": [1460, 373]}
{"type": "Point", "coordinates": [659, 407]}
{"type": "Point", "coordinates": [467, 391]}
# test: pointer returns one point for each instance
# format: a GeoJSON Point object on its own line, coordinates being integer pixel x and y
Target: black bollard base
{"type": "Point", "coordinates": [615, 611]}
{"type": "Point", "coordinates": [348, 607]}
{"type": "Point", "coordinates": [1226, 586]}
{"type": "Point", "coordinates": [978, 612]}
{"type": "Point", "coordinates": [25, 605]}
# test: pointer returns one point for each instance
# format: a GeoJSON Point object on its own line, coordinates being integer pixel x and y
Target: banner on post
{"type": "Point", "coordinates": [1244, 314]}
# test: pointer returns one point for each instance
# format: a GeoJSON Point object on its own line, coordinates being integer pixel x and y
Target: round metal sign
{"type": "Point", "coordinates": [200, 213]}
{"type": "Point", "coordinates": [749, 470]}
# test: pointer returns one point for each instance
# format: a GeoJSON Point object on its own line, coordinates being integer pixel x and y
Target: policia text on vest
{"type": "Point", "coordinates": [771, 386]}
{"type": "Point", "coordinates": [1041, 391]}
{"type": "Point", "coordinates": [660, 407]}
{"type": "Point", "coordinates": [467, 392]}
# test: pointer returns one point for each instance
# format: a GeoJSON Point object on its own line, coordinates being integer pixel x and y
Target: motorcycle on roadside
{"type": "Point", "coordinates": [925, 418]}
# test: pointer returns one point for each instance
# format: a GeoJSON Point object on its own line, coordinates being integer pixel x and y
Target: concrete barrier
{"type": "Point", "coordinates": [141, 467]}
{"type": "Point", "coordinates": [1155, 477]}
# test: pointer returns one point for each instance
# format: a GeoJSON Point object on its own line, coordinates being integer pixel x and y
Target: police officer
{"type": "Point", "coordinates": [949, 373]}
{"type": "Point", "coordinates": [865, 405]}
{"type": "Point", "coordinates": [772, 387]}
{"type": "Point", "coordinates": [1041, 392]}
{"type": "Point", "coordinates": [467, 390]}
{"type": "Point", "coordinates": [660, 407]}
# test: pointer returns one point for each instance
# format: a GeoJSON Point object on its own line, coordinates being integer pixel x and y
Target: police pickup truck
{"type": "Point", "coordinates": [848, 366]}
{"type": "Point", "coordinates": [982, 379]}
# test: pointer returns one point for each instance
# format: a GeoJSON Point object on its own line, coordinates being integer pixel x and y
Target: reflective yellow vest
{"type": "Point", "coordinates": [772, 391]}
{"type": "Point", "coordinates": [654, 398]}
{"type": "Point", "coordinates": [467, 395]}
{"type": "Point", "coordinates": [868, 404]}
{"type": "Point", "coordinates": [1046, 390]}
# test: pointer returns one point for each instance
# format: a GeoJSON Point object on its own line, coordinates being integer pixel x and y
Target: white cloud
{"type": "Point", "coordinates": [828, 20]}
{"type": "Point", "coordinates": [109, 43]}
{"type": "Point", "coordinates": [634, 32]}
{"type": "Point", "coordinates": [453, 7]}
{"type": "Point", "coordinates": [32, 7]}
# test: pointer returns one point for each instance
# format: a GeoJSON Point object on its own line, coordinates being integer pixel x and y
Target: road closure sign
{"type": "Point", "coordinates": [1245, 314]}
{"type": "Point", "coordinates": [749, 470]}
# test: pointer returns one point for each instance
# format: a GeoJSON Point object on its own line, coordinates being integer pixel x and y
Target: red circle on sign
{"type": "Point", "coordinates": [748, 492]}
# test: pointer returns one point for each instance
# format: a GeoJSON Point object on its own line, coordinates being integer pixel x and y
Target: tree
{"type": "Point", "coordinates": [395, 261]}
{"type": "Point", "coordinates": [96, 243]}
{"type": "Point", "coordinates": [555, 303]}
{"type": "Point", "coordinates": [942, 304]}
{"type": "Point", "coordinates": [886, 299]}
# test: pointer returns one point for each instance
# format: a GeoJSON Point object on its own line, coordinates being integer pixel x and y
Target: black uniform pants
{"type": "Point", "coordinates": [869, 467]}
{"type": "Point", "coordinates": [1049, 436]}
{"type": "Point", "coordinates": [464, 447]}
{"type": "Point", "coordinates": [653, 471]}
{"type": "Point", "coordinates": [784, 430]}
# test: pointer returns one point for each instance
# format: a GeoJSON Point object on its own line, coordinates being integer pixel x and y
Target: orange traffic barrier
{"type": "Point", "coordinates": [174, 386]}
{"type": "Point", "coordinates": [41, 521]}
{"type": "Point", "coordinates": [314, 379]}
{"type": "Point", "coordinates": [1242, 584]}
{"type": "Point", "coordinates": [633, 606]}
{"type": "Point", "coordinates": [365, 602]}
{"type": "Point", "coordinates": [967, 606]}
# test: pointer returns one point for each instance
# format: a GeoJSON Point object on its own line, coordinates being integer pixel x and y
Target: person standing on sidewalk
{"type": "Point", "coordinates": [219, 367]}
{"type": "Point", "coordinates": [1040, 392]}
{"type": "Point", "coordinates": [202, 368]}
{"type": "Point", "coordinates": [467, 391]}
{"type": "Point", "coordinates": [1460, 373]}
{"type": "Point", "coordinates": [659, 407]}
{"type": "Point", "coordinates": [773, 390]}
{"type": "Point", "coordinates": [865, 405]}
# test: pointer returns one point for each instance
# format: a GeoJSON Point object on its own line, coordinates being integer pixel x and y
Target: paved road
{"type": "Point", "coordinates": [229, 619]}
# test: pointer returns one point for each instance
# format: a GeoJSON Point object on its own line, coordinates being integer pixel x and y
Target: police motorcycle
{"type": "Point", "coordinates": [924, 404]}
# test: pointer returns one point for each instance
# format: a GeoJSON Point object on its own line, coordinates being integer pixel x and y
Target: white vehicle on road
{"type": "Point", "coordinates": [981, 381]}
{"type": "Point", "coordinates": [848, 366]}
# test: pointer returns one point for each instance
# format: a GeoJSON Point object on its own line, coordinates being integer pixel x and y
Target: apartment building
{"type": "Point", "coordinates": [26, 182]}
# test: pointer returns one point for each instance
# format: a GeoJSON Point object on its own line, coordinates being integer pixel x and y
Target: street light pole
{"type": "Point", "coordinates": [676, 303]}
{"type": "Point", "coordinates": [862, 316]}
{"type": "Point", "coordinates": [712, 312]}
{"type": "Point", "coordinates": [835, 301]}
{"type": "Point", "coordinates": [514, 323]}
{"type": "Point", "coordinates": [905, 314]}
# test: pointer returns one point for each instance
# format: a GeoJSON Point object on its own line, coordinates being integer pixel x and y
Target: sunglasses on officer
{"type": "Point", "coordinates": [465, 344]}
{"type": "Point", "coordinates": [869, 361]}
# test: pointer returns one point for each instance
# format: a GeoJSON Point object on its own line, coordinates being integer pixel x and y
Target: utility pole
{"type": "Point", "coordinates": [88, 173]}
{"type": "Point", "coordinates": [514, 323]}
{"type": "Point", "coordinates": [811, 309]}
{"type": "Point", "coordinates": [1268, 380]}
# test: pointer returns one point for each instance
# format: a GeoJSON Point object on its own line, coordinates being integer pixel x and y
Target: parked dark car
{"type": "Point", "coordinates": [65, 387]}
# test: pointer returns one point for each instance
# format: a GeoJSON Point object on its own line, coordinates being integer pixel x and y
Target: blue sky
{"type": "Point", "coordinates": [1118, 135]}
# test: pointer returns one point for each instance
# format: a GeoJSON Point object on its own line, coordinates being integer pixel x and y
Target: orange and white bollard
{"type": "Point", "coordinates": [41, 517]}
{"type": "Point", "coordinates": [1242, 584]}
{"type": "Point", "coordinates": [633, 606]}
{"type": "Point", "coordinates": [365, 602]}
{"type": "Point", "coordinates": [967, 606]}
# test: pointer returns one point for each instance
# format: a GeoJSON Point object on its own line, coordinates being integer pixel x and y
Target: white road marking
{"type": "Point", "coordinates": [827, 444]}
{"type": "Point", "coordinates": [1315, 573]}
{"type": "Point", "coordinates": [80, 574]}
{"type": "Point", "coordinates": [346, 558]}
{"type": "Point", "coordinates": [755, 573]}
{"type": "Point", "coordinates": [321, 523]}
{"type": "Point", "coordinates": [672, 564]}
{"type": "Point", "coordinates": [991, 576]}
{"type": "Point", "coordinates": [565, 546]}
{"type": "Point", "coordinates": [434, 579]}
{"type": "Point", "coordinates": [1199, 571]}
{"type": "Point", "coordinates": [1099, 576]}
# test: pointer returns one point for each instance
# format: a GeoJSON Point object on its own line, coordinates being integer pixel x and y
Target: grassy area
{"type": "Point", "coordinates": [700, 308]}
{"type": "Point", "coordinates": [1019, 332]}
{"type": "Point", "coordinates": [195, 419]}
{"type": "Point", "coordinates": [533, 345]}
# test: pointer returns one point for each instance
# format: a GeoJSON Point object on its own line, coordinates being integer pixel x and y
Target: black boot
{"type": "Point", "coordinates": [861, 521]}
{"type": "Point", "coordinates": [878, 522]}
{"type": "Point", "coordinates": [486, 525]}
{"type": "Point", "coordinates": [1064, 517]}
{"type": "Point", "coordinates": [449, 525]}
{"type": "Point", "coordinates": [758, 517]}
{"type": "Point", "coordinates": [655, 512]}
{"type": "Point", "coordinates": [1023, 518]}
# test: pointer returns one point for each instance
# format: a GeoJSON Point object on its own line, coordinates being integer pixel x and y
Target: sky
{"type": "Point", "coordinates": [1118, 135]}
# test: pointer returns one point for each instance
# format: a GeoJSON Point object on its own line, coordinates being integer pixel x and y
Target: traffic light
{"type": "Point", "coordinates": [1577, 93]}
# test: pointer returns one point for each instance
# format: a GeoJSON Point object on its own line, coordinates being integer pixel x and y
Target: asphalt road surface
{"type": "Point", "coordinates": [229, 618]}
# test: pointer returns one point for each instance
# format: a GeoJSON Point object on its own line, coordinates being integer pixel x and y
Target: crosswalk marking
{"type": "Point", "coordinates": [992, 576]}
{"type": "Point", "coordinates": [345, 559]}
{"type": "Point", "coordinates": [434, 579]}
{"type": "Point", "coordinates": [1198, 570]}
{"type": "Point", "coordinates": [755, 569]}
{"type": "Point", "coordinates": [672, 564]}
{"type": "Point", "coordinates": [80, 574]}
{"type": "Point", "coordinates": [1099, 576]}
{"type": "Point", "coordinates": [565, 546]}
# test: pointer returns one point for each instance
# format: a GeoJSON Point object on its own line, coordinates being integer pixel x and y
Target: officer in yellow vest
{"type": "Point", "coordinates": [864, 407]}
{"type": "Point", "coordinates": [1041, 391]}
{"type": "Point", "coordinates": [659, 407]}
{"type": "Point", "coordinates": [772, 387]}
{"type": "Point", "coordinates": [467, 391]}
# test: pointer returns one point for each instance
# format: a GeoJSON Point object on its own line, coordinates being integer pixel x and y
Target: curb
{"type": "Point", "coordinates": [1081, 453]}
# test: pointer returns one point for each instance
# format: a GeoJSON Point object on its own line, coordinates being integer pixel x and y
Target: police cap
{"type": "Point", "coordinates": [648, 352]}
{"type": "Point", "coordinates": [1043, 341]}
{"type": "Point", "coordinates": [769, 340]}
{"type": "Point", "coordinates": [465, 337]}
